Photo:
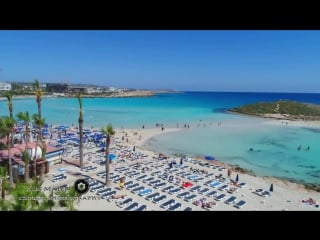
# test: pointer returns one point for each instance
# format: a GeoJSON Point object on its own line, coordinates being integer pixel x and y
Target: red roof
{"type": "Point", "coordinates": [19, 148]}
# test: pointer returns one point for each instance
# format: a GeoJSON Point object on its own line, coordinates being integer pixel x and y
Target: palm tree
{"type": "Point", "coordinates": [4, 204]}
{"type": "Point", "coordinates": [108, 131]}
{"type": "Point", "coordinates": [80, 130]}
{"type": "Point", "coordinates": [26, 199]}
{"type": "Point", "coordinates": [38, 95]}
{"type": "Point", "coordinates": [68, 198]}
{"type": "Point", "coordinates": [39, 122]}
{"type": "Point", "coordinates": [9, 96]}
{"type": "Point", "coordinates": [43, 156]}
{"type": "Point", "coordinates": [3, 178]}
{"type": "Point", "coordinates": [49, 203]}
{"type": "Point", "coordinates": [24, 116]}
{"type": "Point", "coordinates": [6, 126]}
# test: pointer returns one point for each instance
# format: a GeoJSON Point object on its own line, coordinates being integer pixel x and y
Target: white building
{"type": "Point", "coordinates": [5, 86]}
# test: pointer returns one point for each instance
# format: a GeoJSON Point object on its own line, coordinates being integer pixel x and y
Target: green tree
{"type": "Point", "coordinates": [38, 93]}
{"type": "Point", "coordinates": [43, 156]}
{"type": "Point", "coordinates": [6, 126]}
{"type": "Point", "coordinates": [39, 122]}
{"type": "Point", "coordinates": [24, 116]}
{"type": "Point", "coordinates": [3, 181]}
{"type": "Point", "coordinates": [49, 203]}
{"type": "Point", "coordinates": [21, 197]}
{"type": "Point", "coordinates": [9, 96]}
{"type": "Point", "coordinates": [108, 131]}
{"type": "Point", "coordinates": [80, 120]}
{"type": "Point", "coordinates": [29, 196]}
{"type": "Point", "coordinates": [5, 205]}
{"type": "Point", "coordinates": [68, 198]}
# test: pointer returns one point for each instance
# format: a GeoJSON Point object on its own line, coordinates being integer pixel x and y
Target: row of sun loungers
{"type": "Point", "coordinates": [161, 179]}
{"type": "Point", "coordinates": [262, 193]}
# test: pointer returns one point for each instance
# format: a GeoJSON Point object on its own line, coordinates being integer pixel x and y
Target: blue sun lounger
{"type": "Point", "coordinates": [220, 197]}
{"type": "Point", "coordinates": [152, 196]}
{"type": "Point", "coordinates": [240, 204]}
{"type": "Point", "coordinates": [175, 207]}
{"type": "Point", "coordinates": [145, 192]}
{"type": "Point", "coordinates": [183, 195]}
{"type": "Point", "coordinates": [212, 194]}
{"type": "Point", "coordinates": [230, 200]}
{"type": "Point", "coordinates": [141, 208]}
{"type": "Point", "coordinates": [215, 184]}
{"type": "Point", "coordinates": [132, 207]}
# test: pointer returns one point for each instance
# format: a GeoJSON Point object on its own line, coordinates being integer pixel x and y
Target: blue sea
{"type": "Point", "coordinates": [274, 146]}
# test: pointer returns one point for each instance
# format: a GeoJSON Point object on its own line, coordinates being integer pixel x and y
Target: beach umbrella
{"type": "Point", "coordinates": [112, 157]}
{"type": "Point", "coordinates": [271, 187]}
{"type": "Point", "coordinates": [237, 178]}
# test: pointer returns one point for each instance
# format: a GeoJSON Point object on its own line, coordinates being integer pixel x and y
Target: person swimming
{"type": "Point", "coordinates": [299, 148]}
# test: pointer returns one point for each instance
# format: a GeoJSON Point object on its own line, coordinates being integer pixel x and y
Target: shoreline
{"type": "Point", "coordinates": [153, 132]}
{"type": "Point", "coordinates": [276, 116]}
{"type": "Point", "coordinates": [128, 94]}
{"type": "Point", "coordinates": [286, 195]}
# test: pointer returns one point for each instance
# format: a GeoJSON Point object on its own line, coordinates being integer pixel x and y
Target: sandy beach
{"type": "Point", "coordinates": [285, 196]}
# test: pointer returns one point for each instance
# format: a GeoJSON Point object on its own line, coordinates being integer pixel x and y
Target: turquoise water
{"type": "Point", "coordinates": [274, 152]}
{"type": "Point", "coordinates": [275, 146]}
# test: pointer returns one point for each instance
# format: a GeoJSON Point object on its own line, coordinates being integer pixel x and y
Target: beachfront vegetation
{"type": "Point", "coordinates": [38, 93]}
{"type": "Point", "coordinates": [108, 131]}
{"type": "Point", "coordinates": [80, 120]}
{"type": "Point", "coordinates": [9, 95]}
{"type": "Point", "coordinates": [6, 126]}
{"type": "Point", "coordinates": [39, 122]}
{"type": "Point", "coordinates": [4, 185]}
{"type": "Point", "coordinates": [31, 197]}
{"type": "Point", "coordinates": [25, 116]}
{"type": "Point", "coordinates": [6, 123]}
{"type": "Point", "coordinates": [290, 110]}
{"type": "Point", "coordinates": [68, 198]}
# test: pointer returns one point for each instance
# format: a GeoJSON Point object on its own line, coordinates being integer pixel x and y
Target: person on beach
{"type": "Point", "coordinates": [122, 182]}
{"type": "Point", "coordinates": [229, 172]}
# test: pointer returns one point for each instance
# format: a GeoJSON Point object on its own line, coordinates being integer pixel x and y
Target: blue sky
{"type": "Point", "coordinates": [268, 61]}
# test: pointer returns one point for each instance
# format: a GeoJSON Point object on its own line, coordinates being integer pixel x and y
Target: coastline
{"type": "Point", "coordinates": [286, 195]}
{"type": "Point", "coordinates": [277, 116]}
{"type": "Point", "coordinates": [153, 132]}
{"type": "Point", "coordinates": [127, 94]}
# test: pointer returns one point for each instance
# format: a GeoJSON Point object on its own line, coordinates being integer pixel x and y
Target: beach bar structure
{"type": "Point", "coordinates": [53, 156]}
